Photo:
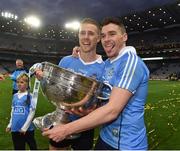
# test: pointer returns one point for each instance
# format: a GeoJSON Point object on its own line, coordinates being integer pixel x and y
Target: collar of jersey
{"type": "Point", "coordinates": [98, 60]}
{"type": "Point", "coordinates": [20, 95]}
{"type": "Point", "coordinates": [124, 51]}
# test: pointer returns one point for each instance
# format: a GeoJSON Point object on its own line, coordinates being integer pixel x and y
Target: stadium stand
{"type": "Point", "coordinates": [154, 32]}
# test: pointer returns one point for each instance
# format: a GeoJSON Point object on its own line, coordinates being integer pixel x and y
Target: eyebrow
{"type": "Point", "coordinates": [112, 31]}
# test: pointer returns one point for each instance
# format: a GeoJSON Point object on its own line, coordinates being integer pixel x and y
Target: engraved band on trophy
{"type": "Point", "coordinates": [66, 89]}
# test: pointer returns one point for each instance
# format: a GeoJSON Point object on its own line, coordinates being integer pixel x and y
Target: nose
{"type": "Point", "coordinates": [106, 38]}
{"type": "Point", "coordinates": [86, 35]}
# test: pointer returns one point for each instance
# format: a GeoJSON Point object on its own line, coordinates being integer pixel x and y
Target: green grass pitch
{"type": "Point", "coordinates": [162, 115]}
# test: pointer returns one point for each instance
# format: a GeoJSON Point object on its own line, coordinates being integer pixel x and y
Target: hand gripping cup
{"type": "Point", "coordinates": [66, 89]}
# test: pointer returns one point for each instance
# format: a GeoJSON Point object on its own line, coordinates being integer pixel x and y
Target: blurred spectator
{"type": "Point", "coordinates": [19, 69]}
{"type": "Point", "coordinates": [1, 77]}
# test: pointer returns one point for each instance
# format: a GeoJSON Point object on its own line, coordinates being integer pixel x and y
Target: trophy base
{"type": "Point", "coordinates": [49, 120]}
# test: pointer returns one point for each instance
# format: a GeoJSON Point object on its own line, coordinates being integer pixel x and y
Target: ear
{"type": "Point", "coordinates": [125, 37]}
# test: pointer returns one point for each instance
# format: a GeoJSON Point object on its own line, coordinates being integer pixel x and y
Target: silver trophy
{"type": "Point", "coordinates": [66, 90]}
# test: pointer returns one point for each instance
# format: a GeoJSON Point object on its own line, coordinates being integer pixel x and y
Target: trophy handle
{"type": "Point", "coordinates": [36, 84]}
{"type": "Point", "coordinates": [106, 89]}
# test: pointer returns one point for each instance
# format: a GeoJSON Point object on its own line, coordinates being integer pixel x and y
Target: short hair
{"type": "Point", "coordinates": [91, 21]}
{"type": "Point", "coordinates": [24, 77]}
{"type": "Point", "coordinates": [19, 60]}
{"type": "Point", "coordinates": [114, 20]}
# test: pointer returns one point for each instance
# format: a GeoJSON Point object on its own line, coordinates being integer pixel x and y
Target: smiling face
{"type": "Point", "coordinates": [88, 37]}
{"type": "Point", "coordinates": [113, 39]}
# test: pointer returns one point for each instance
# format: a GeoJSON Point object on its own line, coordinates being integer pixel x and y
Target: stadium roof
{"type": "Point", "coordinates": [62, 11]}
{"type": "Point", "coordinates": [165, 16]}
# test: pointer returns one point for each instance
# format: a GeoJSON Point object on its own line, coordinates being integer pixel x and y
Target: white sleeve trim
{"type": "Point", "coordinates": [10, 121]}
{"type": "Point", "coordinates": [28, 120]}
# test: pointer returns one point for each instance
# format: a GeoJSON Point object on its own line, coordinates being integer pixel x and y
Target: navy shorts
{"type": "Point", "coordinates": [84, 142]}
{"type": "Point", "coordinates": [101, 145]}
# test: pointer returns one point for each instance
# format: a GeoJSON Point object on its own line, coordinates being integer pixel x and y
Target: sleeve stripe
{"type": "Point", "coordinates": [125, 70]}
{"type": "Point", "coordinates": [132, 73]}
{"type": "Point", "coordinates": [129, 71]}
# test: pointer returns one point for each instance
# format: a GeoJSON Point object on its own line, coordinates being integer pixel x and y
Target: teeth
{"type": "Point", "coordinates": [109, 46]}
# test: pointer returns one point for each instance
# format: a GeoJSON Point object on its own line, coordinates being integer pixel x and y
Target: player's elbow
{"type": "Point", "coordinates": [113, 114]}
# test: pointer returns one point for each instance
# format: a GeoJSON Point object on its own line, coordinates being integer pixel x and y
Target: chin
{"type": "Point", "coordinates": [86, 50]}
{"type": "Point", "coordinates": [109, 55]}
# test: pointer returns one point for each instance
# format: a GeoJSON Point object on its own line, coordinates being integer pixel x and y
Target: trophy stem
{"type": "Point", "coordinates": [59, 116]}
{"type": "Point", "coordinates": [51, 119]}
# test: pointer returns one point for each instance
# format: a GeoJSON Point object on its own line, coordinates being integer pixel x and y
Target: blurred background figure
{"type": "Point", "coordinates": [1, 77]}
{"type": "Point", "coordinates": [19, 70]}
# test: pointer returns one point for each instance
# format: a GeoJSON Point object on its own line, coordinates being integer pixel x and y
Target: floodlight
{"type": "Point", "coordinates": [73, 25]}
{"type": "Point", "coordinates": [153, 58]}
{"type": "Point", "coordinates": [8, 15]}
{"type": "Point", "coordinates": [33, 21]}
{"type": "Point", "coordinates": [15, 17]}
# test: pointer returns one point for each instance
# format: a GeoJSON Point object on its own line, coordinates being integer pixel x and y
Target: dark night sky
{"type": "Point", "coordinates": [60, 11]}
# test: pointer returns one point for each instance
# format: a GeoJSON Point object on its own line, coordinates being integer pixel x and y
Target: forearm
{"type": "Point", "coordinates": [98, 117]}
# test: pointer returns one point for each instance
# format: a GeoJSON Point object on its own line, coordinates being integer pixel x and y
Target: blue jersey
{"type": "Point", "coordinates": [14, 76]}
{"type": "Point", "coordinates": [20, 112]}
{"type": "Point", "coordinates": [91, 69]}
{"type": "Point", "coordinates": [128, 131]}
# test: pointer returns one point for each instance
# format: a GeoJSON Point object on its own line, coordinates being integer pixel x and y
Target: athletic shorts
{"type": "Point", "coordinates": [83, 142]}
{"type": "Point", "coordinates": [101, 145]}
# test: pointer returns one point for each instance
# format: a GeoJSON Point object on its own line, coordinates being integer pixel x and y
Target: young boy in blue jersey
{"type": "Point", "coordinates": [122, 116]}
{"type": "Point", "coordinates": [88, 64]}
{"type": "Point", "coordinates": [19, 69]}
{"type": "Point", "coordinates": [22, 113]}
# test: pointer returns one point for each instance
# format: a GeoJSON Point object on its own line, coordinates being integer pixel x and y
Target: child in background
{"type": "Point", "coordinates": [22, 113]}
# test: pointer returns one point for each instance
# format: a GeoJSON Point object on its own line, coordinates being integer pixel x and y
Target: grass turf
{"type": "Point", "coordinates": [162, 115]}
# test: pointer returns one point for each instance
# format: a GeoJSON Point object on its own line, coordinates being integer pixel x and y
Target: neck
{"type": "Point", "coordinates": [20, 91]}
{"type": "Point", "coordinates": [88, 56]}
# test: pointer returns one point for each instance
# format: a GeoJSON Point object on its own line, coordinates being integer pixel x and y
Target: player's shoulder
{"type": "Point", "coordinates": [68, 58]}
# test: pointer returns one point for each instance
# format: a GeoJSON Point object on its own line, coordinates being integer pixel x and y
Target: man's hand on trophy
{"type": "Point", "coordinates": [80, 111]}
{"type": "Point", "coordinates": [35, 67]}
{"type": "Point", "coordinates": [57, 133]}
{"type": "Point", "coordinates": [39, 74]}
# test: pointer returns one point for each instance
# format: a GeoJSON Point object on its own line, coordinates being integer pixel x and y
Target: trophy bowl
{"type": "Point", "coordinates": [66, 90]}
